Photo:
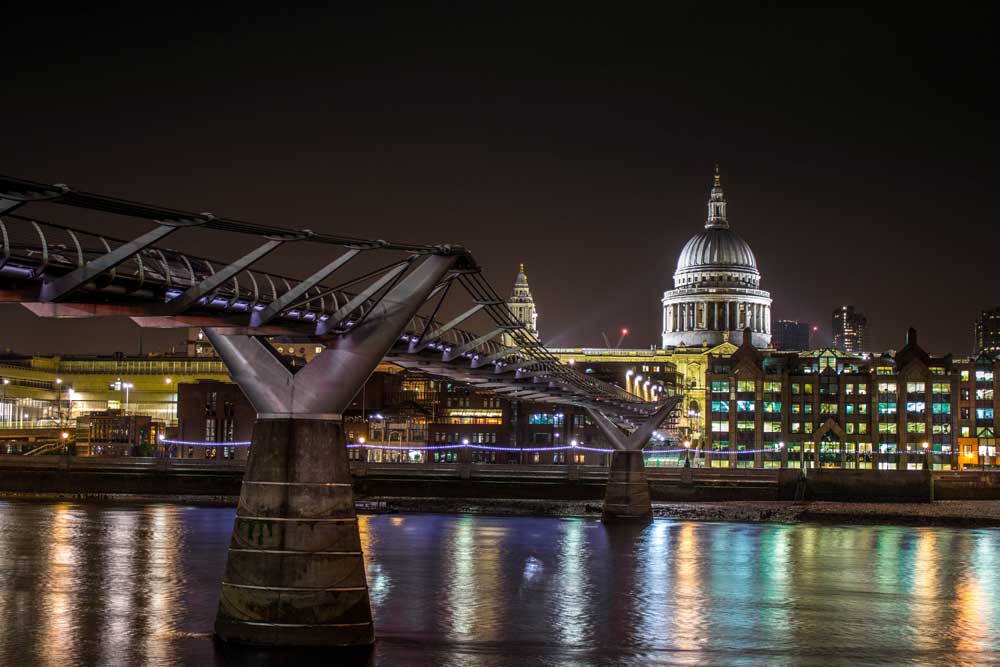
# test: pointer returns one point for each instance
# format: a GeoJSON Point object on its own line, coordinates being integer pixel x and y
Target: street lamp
{"type": "Point", "coordinates": [687, 453]}
{"type": "Point", "coordinates": [6, 381]}
{"type": "Point", "coordinates": [927, 455]}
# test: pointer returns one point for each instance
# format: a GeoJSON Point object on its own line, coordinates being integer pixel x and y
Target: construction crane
{"type": "Point", "coordinates": [620, 339]}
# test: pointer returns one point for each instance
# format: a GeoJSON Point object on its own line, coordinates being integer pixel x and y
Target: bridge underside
{"type": "Point", "coordinates": [295, 571]}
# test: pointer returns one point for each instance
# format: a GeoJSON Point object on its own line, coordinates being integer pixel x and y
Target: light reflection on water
{"type": "Point", "coordinates": [138, 584]}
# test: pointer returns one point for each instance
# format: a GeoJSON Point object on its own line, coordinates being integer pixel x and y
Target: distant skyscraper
{"type": "Point", "coordinates": [522, 304]}
{"type": "Point", "coordinates": [791, 335]}
{"type": "Point", "coordinates": [988, 332]}
{"type": "Point", "coordinates": [849, 329]}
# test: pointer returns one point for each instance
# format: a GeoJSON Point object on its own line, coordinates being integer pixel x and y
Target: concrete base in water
{"type": "Point", "coordinates": [627, 495]}
{"type": "Point", "coordinates": [295, 575]}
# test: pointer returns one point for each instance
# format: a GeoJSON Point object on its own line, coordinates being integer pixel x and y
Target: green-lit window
{"type": "Point", "coordinates": [796, 408]}
{"type": "Point", "coordinates": [796, 388]}
{"type": "Point", "coordinates": [720, 406]}
{"type": "Point", "coordinates": [772, 427]}
{"type": "Point", "coordinates": [849, 389]}
{"type": "Point", "coordinates": [884, 370]}
{"type": "Point", "coordinates": [887, 427]}
{"type": "Point", "coordinates": [887, 408]}
{"type": "Point", "coordinates": [964, 376]}
{"type": "Point", "coordinates": [941, 388]}
{"type": "Point", "coordinates": [807, 408]}
{"type": "Point", "coordinates": [941, 428]}
{"type": "Point", "coordinates": [964, 432]}
{"type": "Point", "coordinates": [941, 408]}
{"type": "Point", "coordinates": [744, 426]}
{"type": "Point", "coordinates": [862, 389]}
{"type": "Point", "coordinates": [772, 406]}
{"type": "Point", "coordinates": [862, 427]}
{"type": "Point", "coordinates": [720, 386]}
{"type": "Point", "coordinates": [849, 408]}
{"type": "Point", "coordinates": [828, 408]}
{"type": "Point", "coordinates": [746, 385]}
{"type": "Point", "coordinates": [916, 427]}
{"type": "Point", "coordinates": [720, 427]}
{"type": "Point", "coordinates": [862, 408]}
{"type": "Point", "coordinates": [772, 387]}
{"type": "Point", "coordinates": [808, 427]}
{"type": "Point", "coordinates": [807, 388]}
{"type": "Point", "coordinates": [849, 427]}
{"type": "Point", "coordinates": [745, 406]}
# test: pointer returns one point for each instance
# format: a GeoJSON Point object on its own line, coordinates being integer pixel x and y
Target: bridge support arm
{"type": "Point", "coordinates": [295, 573]}
{"type": "Point", "coordinates": [627, 496]}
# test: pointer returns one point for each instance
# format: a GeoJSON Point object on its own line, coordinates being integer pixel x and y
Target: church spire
{"type": "Point", "coordinates": [717, 204]}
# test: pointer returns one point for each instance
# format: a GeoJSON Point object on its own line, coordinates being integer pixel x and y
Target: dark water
{"type": "Point", "coordinates": [138, 584]}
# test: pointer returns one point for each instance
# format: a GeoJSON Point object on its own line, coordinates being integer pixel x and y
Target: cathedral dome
{"type": "Point", "coordinates": [716, 295]}
{"type": "Point", "coordinates": [716, 248]}
{"type": "Point", "coordinates": [716, 255]}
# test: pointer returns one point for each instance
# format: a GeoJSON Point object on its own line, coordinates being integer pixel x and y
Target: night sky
{"type": "Point", "coordinates": [858, 148]}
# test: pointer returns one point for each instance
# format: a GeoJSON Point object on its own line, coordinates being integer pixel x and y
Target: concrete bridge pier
{"type": "Point", "coordinates": [295, 573]}
{"type": "Point", "coordinates": [627, 498]}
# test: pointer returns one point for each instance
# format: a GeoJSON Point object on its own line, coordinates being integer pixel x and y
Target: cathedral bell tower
{"type": "Point", "coordinates": [522, 305]}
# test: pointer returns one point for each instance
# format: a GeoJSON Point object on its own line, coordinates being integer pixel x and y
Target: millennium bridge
{"type": "Point", "coordinates": [295, 569]}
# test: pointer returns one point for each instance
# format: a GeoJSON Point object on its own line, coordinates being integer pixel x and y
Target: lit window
{"type": "Point", "coordinates": [772, 387]}
{"type": "Point", "coordinates": [887, 427]}
{"type": "Point", "coordinates": [916, 427]}
{"type": "Point", "coordinates": [720, 406]}
{"type": "Point", "coordinates": [720, 427]}
{"type": "Point", "coordinates": [719, 387]}
{"type": "Point", "coordinates": [745, 406]}
{"type": "Point", "coordinates": [887, 387]}
{"type": "Point", "coordinates": [746, 385]}
{"type": "Point", "coordinates": [984, 413]}
{"type": "Point", "coordinates": [964, 376]}
{"type": "Point", "coordinates": [772, 406]}
{"type": "Point", "coordinates": [964, 432]}
{"type": "Point", "coordinates": [916, 406]}
{"type": "Point", "coordinates": [984, 376]}
{"type": "Point", "coordinates": [744, 426]}
{"type": "Point", "coordinates": [915, 387]}
{"type": "Point", "coordinates": [887, 408]}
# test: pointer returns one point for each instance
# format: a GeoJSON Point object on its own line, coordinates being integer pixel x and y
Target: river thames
{"type": "Point", "coordinates": [138, 584]}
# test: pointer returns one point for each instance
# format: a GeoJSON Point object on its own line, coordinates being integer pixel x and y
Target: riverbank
{"type": "Point", "coordinates": [963, 513]}
{"type": "Point", "coordinates": [956, 513]}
